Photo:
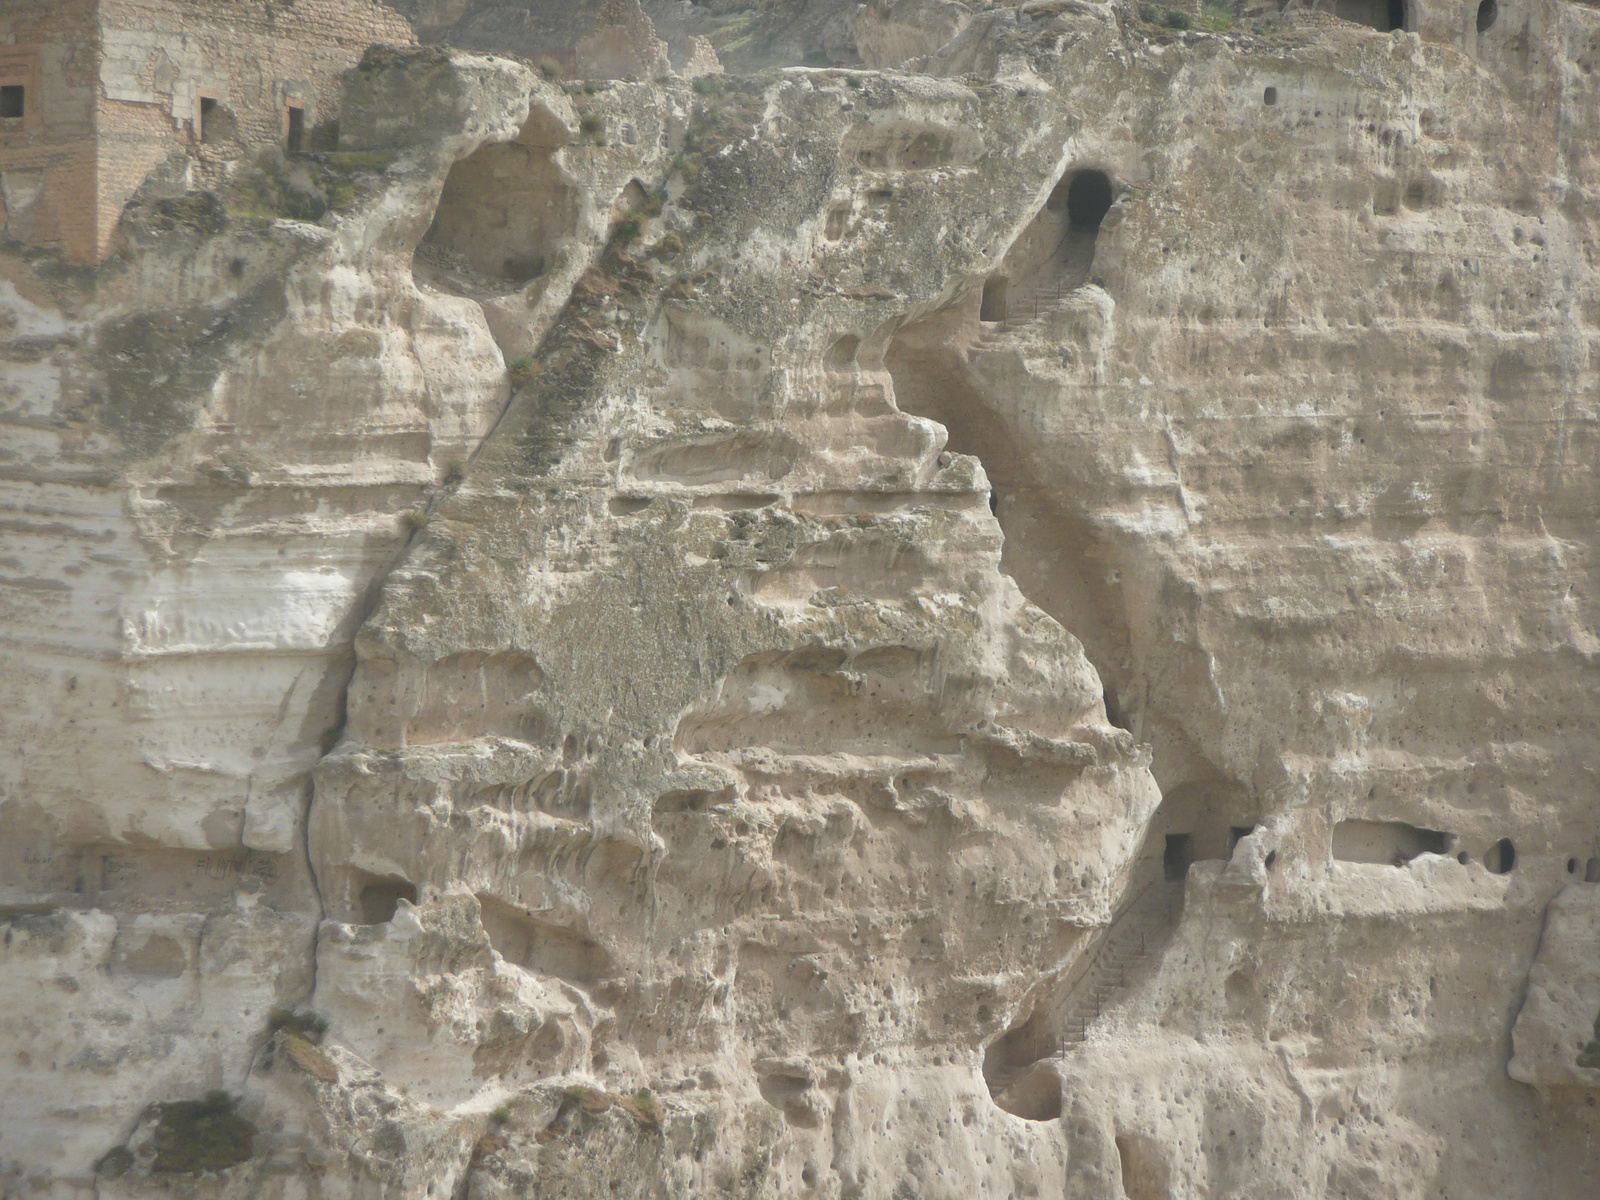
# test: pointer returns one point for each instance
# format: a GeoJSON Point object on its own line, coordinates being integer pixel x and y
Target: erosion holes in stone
{"type": "Point", "coordinates": [1393, 843]}
{"type": "Point", "coordinates": [841, 356]}
{"type": "Point", "coordinates": [1145, 1173]}
{"type": "Point", "coordinates": [463, 696]}
{"type": "Point", "coordinates": [380, 897]}
{"type": "Point", "coordinates": [1177, 857]}
{"type": "Point", "coordinates": [1488, 14]}
{"type": "Point", "coordinates": [157, 957]}
{"type": "Point", "coordinates": [907, 146]}
{"type": "Point", "coordinates": [1035, 1096]}
{"type": "Point", "coordinates": [541, 947]}
{"type": "Point", "coordinates": [1501, 857]}
{"type": "Point", "coordinates": [503, 214]}
{"type": "Point", "coordinates": [1270, 97]}
{"type": "Point", "coordinates": [788, 1089]}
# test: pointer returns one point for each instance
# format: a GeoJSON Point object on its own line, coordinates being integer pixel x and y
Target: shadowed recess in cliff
{"type": "Point", "coordinates": [506, 212]}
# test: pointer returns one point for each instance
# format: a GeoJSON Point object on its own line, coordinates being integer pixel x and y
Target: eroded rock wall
{"type": "Point", "coordinates": [720, 800]}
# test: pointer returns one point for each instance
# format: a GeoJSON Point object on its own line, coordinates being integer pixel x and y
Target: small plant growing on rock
{"type": "Point", "coordinates": [1216, 18]}
{"type": "Point", "coordinates": [1176, 18]}
{"type": "Point", "coordinates": [454, 472]}
{"type": "Point", "coordinates": [646, 1107]}
{"type": "Point", "coordinates": [414, 519]}
{"type": "Point", "coordinates": [631, 227]}
{"type": "Point", "coordinates": [550, 69]}
{"type": "Point", "coordinates": [594, 125]}
{"type": "Point", "coordinates": [520, 367]}
{"type": "Point", "coordinates": [1150, 14]}
{"type": "Point", "coordinates": [501, 1115]}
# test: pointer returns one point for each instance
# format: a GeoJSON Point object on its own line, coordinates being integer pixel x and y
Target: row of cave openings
{"type": "Point", "coordinates": [1388, 843]}
{"type": "Point", "coordinates": [1395, 843]}
{"type": "Point", "coordinates": [1388, 16]}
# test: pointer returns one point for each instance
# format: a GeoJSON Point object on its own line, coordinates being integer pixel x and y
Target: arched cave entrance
{"type": "Point", "coordinates": [1384, 15]}
{"type": "Point", "coordinates": [1088, 200]}
{"type": "Point", "coordinates": [503, 214]}
{"type": "Point", "coordinates": [1054, 254]}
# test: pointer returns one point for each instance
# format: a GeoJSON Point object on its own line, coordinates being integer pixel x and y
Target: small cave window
{"type": "Point", "coordinates": [1391, 843]}
{"type": "Point", "coordinates": [1501, 857]}
{"type": "Point", "coordinates": [379, 899]}
{"type": "Point", "coordinates": [13, 101]}
{"type": "Point", "coordinates": [993, 307]}
{"type": "Point", "coordinates": [1488, 13]}
{"type": "Point", "coordinates": [1177, 857]}
{"type": "Point", "coordinates": [503, 215]}
{"type": "Point", "coordinates": [1088, 200]}
{"type": "Point", "coordinates": [208, 112]}
{"type": "Point", "coordinates": [1383, 15]}
{"type": "Point", "coordinates": [1270, 97]}
{"type": "Point", "coordinates": [295, 140]}
{"type": "Point", "coordinates": [842, 354]}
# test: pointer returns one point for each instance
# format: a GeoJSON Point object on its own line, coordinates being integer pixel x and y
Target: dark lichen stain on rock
{"type": "Point", "coordinates": [158, 367]}
{"type": "Point", "coordinates": [202, 1135]}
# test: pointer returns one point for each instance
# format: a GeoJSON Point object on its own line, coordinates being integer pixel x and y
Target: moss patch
{"type": "Point", "coordinates": [202, 1135]}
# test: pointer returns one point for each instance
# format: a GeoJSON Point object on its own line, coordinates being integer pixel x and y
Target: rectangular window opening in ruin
{"type": "Point", "coordinates": [1392, 843]}
{"type": "Point", "coordinates": [13, 101]}
{"type": "Point", "coordinates": [994, 301]}
{"type": "Point", "coordinates": [294, 140]}
{"type": "Point", "coordinates": [1177, 857]}
{"type": "Point", "coordinates": [208, 105]}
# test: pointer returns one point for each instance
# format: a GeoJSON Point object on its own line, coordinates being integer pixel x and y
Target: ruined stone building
{"type": "Point", "coordinates": [95, 94]}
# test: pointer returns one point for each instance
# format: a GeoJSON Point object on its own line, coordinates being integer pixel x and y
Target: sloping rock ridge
{"type": "Point", "coordinates": [1017, 626]}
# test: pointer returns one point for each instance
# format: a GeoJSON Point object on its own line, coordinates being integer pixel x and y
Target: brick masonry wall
{"type": "Point", "coordinates": [116, 88]}
{"type": "Point", "coordinates": [47, 160]}
{"type": "Point", "coordinates": [253, 57]}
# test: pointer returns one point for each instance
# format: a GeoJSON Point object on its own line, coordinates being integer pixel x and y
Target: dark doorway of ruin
{"type": "Point", "coordinates": [380, 898]}
{"type": "Point", "coordinates": [1082, 198]}
{"type": "Point", "coordinates": [1177, 857]}
{"type": "Point", "coordinates": [994, 300]}
{"type": "Point", "coordinates": [1088, 200]}
{"type": "Point", "coordinates": [1383, 15]}
{"type": "Point", "coordinates": [296, 140]}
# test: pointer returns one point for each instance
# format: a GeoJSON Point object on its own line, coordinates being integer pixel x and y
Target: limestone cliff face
{"type": "Point", "coordinates": [1021, 627]}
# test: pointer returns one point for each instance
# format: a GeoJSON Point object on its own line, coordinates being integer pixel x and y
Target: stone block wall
{"type": "Point", "coordinates": [47, 163]}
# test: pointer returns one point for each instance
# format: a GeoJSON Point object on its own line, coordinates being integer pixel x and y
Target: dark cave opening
{"type": "Point", "coordinates": [1088, 200]}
